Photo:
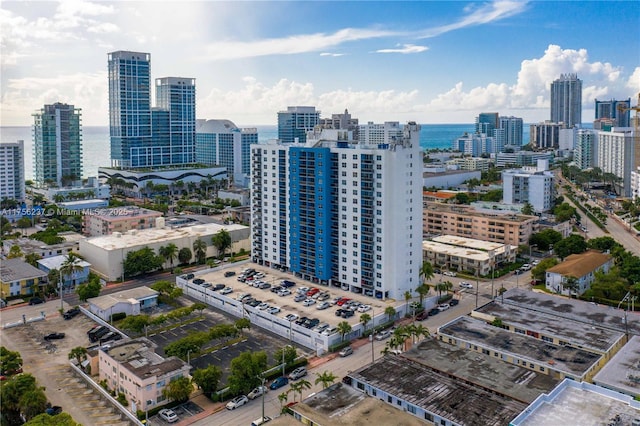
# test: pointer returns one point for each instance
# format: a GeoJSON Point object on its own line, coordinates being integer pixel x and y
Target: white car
{"type": "Point", "coordinates": [364, 308]}
{"type": "Point", "coordinates": [443, 307]}
{"type": "Point", "coordinates": [236, 402]}
{"type": "Point", "coordinates": [535, 262]}
{"type": "Point", "coordinates": [291, 317]}
{"type": "Point", "coordinates": [263, 306]}
{"type": "Point", "coordinates": [274, 310]}
{"type": "Point", "coordinates": [303, 290]}
{"type": "Point", "coordinates": [285, 292]}
{"type": "Point", "coordinates": [323, 305]}
{"type": "Point", "coordinates": [449, 274]}
{"type": "Point", "coordinates": [257, 392]}
{"type": "Point", "coordinates": [168, 415]}
{"type": "Point", "coordinates": [259, 275]}
{"type": "Point", "coordinates": [308, 302]}
{"type": "Point", "coordinates": [464, 284]}
{"type": "Point", "coordinates": [321, 327]}
{"type": "Point", "coordinates": [226, 290]}
{"type": "Point", "coordinates": [384, 334]}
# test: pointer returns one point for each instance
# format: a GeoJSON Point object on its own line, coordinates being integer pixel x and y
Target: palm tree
{"type": "Point", "coordinates": [418, 330]}
{"type": "Point", "coordinates": [79, 353]}
{"type": "Point", "coordinates": [390, 311]}
{"type": "Point", "coordinates": [169, 253]}
{"type": "Point", "coordinates": [344, 328]}
{"type": "Point", "coordinates": [400, 334]}
{"type": "Point", "coordinates": [222, 241]}
{"type": "Point", "coordinates": [70, 266]}
{"type": "Point", "coordinates": [283, 397]}
{"type": "Point", "coordinates": [364, 319]}
{"type": "Point", "coordinates": [326, 378]}
{"type": "Point", "coordinates": [32, 259]}
{"type": "Point", "coordinates": [299, 387]}
{"type": "Point", "coordinates": [426, 271]}
{"type": "Point", "coordinates": [443, 287]}
{"type": "Point", "coordinates": [422, 290]}
{"type": "Point", "coordinates": [200, 250]}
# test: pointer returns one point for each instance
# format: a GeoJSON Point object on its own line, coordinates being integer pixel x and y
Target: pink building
{"type": "Point", "coordinates": [118, 219]}
{"type": "Point", "coordinates": [134, 369]}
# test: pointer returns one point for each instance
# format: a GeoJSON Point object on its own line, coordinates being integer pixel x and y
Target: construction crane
{"type": "Point", "coordinates": [622, 109]}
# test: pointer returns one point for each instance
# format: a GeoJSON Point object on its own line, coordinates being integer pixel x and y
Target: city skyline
{"type": "Point", "coordinates": [432, 62]}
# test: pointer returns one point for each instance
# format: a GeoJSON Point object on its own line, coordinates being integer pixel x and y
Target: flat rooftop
{"type": "Point", "coordinates": [125, 212]}
{"type": "Point", "coordinates": [108, 300]}
{"type": "Point", "coordinates": [466, 253]}
{"type": "Point", "coordinates": [566, 359]}
{"type": "Point", "coordinates": [471, 243]}
{"type": "Point", "coordinates": [437, 393]}
{"type": "Point", "coordinates": [343, 405]}
{"type": "Point", "coordinates": [117, 241]}
{"type": "Point", "coordinates": [487, 372]}
{"type": "Point", "coordinates": [17, 269]}
{"type": "Point", "coordinates": [138, 356]}
{"type": "Point", "coordinates": [473, 211]}
{"type": "Point", "coordinates": [575, 403]}
{"type": "Point", "coordinates": [587, 313]}
{"type": "Point", "coordinates": [555, 324]}
{"type": "Point", "coordinates": [622, 372]}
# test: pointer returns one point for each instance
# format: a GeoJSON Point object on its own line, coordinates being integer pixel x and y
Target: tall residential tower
{"type": "Point", "coordinates": [295, 122]}
{"type": "Point", "coordinates": [566, 100]}
{"type": "Point", "coordinates": [12, 171]}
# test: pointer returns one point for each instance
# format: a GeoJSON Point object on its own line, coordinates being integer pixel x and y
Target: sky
{"type": "Point", "coordinates": [424, 61]}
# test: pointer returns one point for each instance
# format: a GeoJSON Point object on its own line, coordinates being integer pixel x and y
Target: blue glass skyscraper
{"type": "Point", "coordinates": [295, 122]}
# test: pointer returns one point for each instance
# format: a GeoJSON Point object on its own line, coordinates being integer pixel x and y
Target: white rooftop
{"type": "Point", "coordinates": [56, 262]}
{"type": "Point", "coordinates": [133, 295]}
{"type": "Point", "coordinates": [134, 238]}
{"type": "Point", "coordinates": [470, 243]}
{"type": "Point", "coordinates": [466, 253]}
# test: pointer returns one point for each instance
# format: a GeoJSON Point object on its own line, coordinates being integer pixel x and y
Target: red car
{"type": "Point", "coordinates": [342, 301]}
{"type": "Point", "coordinates": [312, 291]}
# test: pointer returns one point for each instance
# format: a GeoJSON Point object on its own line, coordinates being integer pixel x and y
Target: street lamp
{"type": "Point", "coordinates": [492, 256]}
{"type": "Point", "coordinates": [283, 352]}
{"type": "Point", "coordinates": [189, 358]}
{"type": "Point", "coordinates": [530, 247]}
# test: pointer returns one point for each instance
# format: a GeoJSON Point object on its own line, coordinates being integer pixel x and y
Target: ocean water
{"type": "Point", "coordinates": [95, 142]}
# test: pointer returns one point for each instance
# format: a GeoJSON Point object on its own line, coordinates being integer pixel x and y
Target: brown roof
{"type": "Point", "coordinates": [579, 265]}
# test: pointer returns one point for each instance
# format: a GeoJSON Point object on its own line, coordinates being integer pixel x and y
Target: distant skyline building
{"type": "Point", "coordinates": [476, 144]}
{"type": "Point", "coordinates": [584, 154]}
{"type": "Point", "coordinates": [609, 110]}
{"type": "Point", "coordinates": [345, 213]}
{"type": "Point", "coordinates": [545, 135]}
{"type": "Point", "coordinates": [295, 122]}
{"type": "Point", "coordinates": [376, 133]}
{"type": "Point", "coordinates": [487, 122]}
{"type": "Point", "coordinates": [57, 147]}
{"type": "Point", "coordinates": [12, 178]}
{"type": "Point", "coordinates": [142, 136]}
{"type": "Point", "coordinates": [513, 130]}
{"type": "Point", "coordinates": [566, 100]}
{"type": "Point", "coordinates": [221, 142]}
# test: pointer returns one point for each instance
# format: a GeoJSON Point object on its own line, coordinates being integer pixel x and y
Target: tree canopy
{"type": "Point", "coordinates": [573, 244]}
{"type": "Point", "coordinates": [245, 371]}
{"type": "Point", "coordinates": [221, 241]}
{"type": "Point", "coordinates": [141, 262]}
{"type": "Point", "coordinates": [207, 379]}
{"type": "Point", "coordinates": [545, 239]}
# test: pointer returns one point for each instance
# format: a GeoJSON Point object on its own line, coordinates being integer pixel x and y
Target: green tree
{"type": "Point", "coordinates": [527, 209]}
{"type": "Point", "coordinates": [32, 259]}
{"type": "Point", "coordinates": [184, 255]}
{"type": "Point", "coordinates": [326, 378]}
{"type": "Point", "coordinates": [23, 223]}
{"type": "Point", "coordinates": [32, 403]}
{"type": "Point", "coordinates": [178, 389]}
{"type": "Point", "coordinates": [603, 243]}
{"type": "Point", "coordinates": [70, 266]}
{"type": "Point", "coordinates": [207, 379]}
{"type": "Point", "coordinates": [564, 212]}
{"type": "Point", "coordinates": [141, 262]}
{"type": "Point", "coordinates": [364, 320]}
{"type": "Point", "coordinates": [15, 252]}
{"type": "Point", "coordinates": [422, 290]}
{"type": "Point", "coordinates": [390, 311]}
{"type": "Point", "coordinates": [243, 323]}
{"type": "Point", "coordinates": [571, 283]}
{"type": "Point", "coordinates": [545, 238]}
{"type": "Point", "coordinates": [44, 419]}
{"type": "Point", "coordinates": [540, 270]}
{"type": "Point", "coordinates": [167, 288]}
{"type": "Point", "coordinates": [135, 323]}
{"type": "Point", "coordinates": [299, 387]}
{"type": "Point", "coordinates": [611, 286]}
{"type": "Point", "coordinates": [222, 241]}
{"type": "Point", "coordinates": [169, 253]}
{"type": "Point", "coordinates": [344, 328]}
{"type": "Point", "coordinates": [573, 244]}
{"type": "Point", "coordinates": [79, 353]}
{"type": "Point", "coordinates": [245, 371]}
{"type": "Point", "coordinates": [200, 250]}
{"type": "Point", "coordinates": [89, 290]}
{"type": "Point", "coordinates": [290, 354]}
{"type": "Point", "coordinates": [462, 198]}
{"type": "Point", "coordinates": [282, 398]}
{"type": "Point", "coordinates": [10, 361]}
{"type": "Point", "coordinates": [443, 287]}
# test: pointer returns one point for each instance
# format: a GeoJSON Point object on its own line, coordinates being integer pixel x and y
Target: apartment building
{"type": "Point", "coordinates": [119, 219]}
{"type": "Point", "coordinates": [466, 221]}
{"type": "Point", "coordinates": [12, 171]}
{"type": "Point", "coordinates": [533, 185]}
{"type": "Point", "coordinates": [17, 278]}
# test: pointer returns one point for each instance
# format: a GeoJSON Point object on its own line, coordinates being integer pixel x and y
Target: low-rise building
{"type": "Point", "coordinates": [240, 195]}
{"type": "Point", "coordinates": [18, 278]}
{"type": "Point", "coordinates": [106, 253]}
{"type": "Point", "coordinates": [439, 177]}
{"type": "Point", "coordinates": [576, 273]}
{"type": "Point", "coordinates": [522, 158]}
{"type": "Point", "coordinates": [133, 368]}
{"type": "Point", "coordinates": [574, 403]}
{"type": "Point", "coordinates": [28, 246]}
{"type": "Point", "coordinates": [130, 302]}
{"type": "Point", "coordinates": [486, 225]}
{"type": "Point", "coordinates": [471, 163]}
{"type": "Point", "coordinates": [69, 281]}
{"type": "Point", "coordinates": [83, 206]}
{"type": "Point", "coordinates": [622, 372]}
{"type": "Point", "coordinates": [118, 219]}
{"type": "Point", "coordinates": [533, 185]}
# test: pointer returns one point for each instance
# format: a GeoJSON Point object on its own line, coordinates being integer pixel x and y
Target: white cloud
{"type": "Point", "coordinates": [331, 54]}
{"type": "Point", "coordinates": [406, 48]}
{"type": "Point", "coordinates": [104, 28]}
{"type": "Point", "coordinates": [634, 81]}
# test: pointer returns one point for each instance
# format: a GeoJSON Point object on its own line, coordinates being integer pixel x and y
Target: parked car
{"type": "Point", "coordinates": [168, 415]}
{"type": "Point", "coordinates": [434, 311]}
{"type": "Point", "coordinates": [236, 402]}
{"type": "Point", "coordinates": [347, 313]}
{"type": "Point", "coordinates": [321, 327]}
{"type": "Point", "coordinates": [291, 317]}
{"type": "Point", "coordinates": [312, 323]}
{"type": "Point", "coordinates": [54, 336]}
{"type": "Point", "coordinates": [35, 301]}
{"type": "Point", "coordinates": [53, 410]}
{"type": "Point", "coordinates": [525, 267]}
{"type": "Point", "coordinates": [465, 284]}
{"type": "Point", "coordinates": [323, 305]}
{"type": "Point", "coordinates": [110, 336]}
{"type": "Point", "coordinates": [443, 307]}
{"type": "Point", "coordinates": [198, 281]}
{"type": "Point", "coordinates": [450, 274]}
{"type": "Point", "coordinates": [453, 302]}
{"type": "Point", "coordinates": [301, 320]}
{"type": "Point", "coordinates": [342, 301]}
{"type": "Point", "coordinates": [287, 284]}
{"type": "Point", "coordinates": [284, 292]}
{"type": "Point", "coordinates": [257, 392]}
{"type": "Point", "coordinates": [254, 303]}
{"type": "Point", "coordinates": [329, 331]}
{"type": "Point", "coordinates": [207, 285]}
{"type": "Point", "coordinates": [422, 316]}
{"type": "Point", "coordinates": [308, 302]}
{"type": "Point", "coordinates": [218, 287]}
{"type": "Point", "coordinates": [323, 297]}
{"type": "Point", "coordinates": [339, 312]}
{"type": "Point", "coordinates": [229, 274]}
{"type": "Point", "coordinates": [261, 421]}
{"type": "Point", "coordinates": [276, 289]}
{"type": "Point", "coordinates": [273, 310]}
{"type": "Point", "coordinates": [364, 308]}
{"type": "Point", "coordinates": [278, 383]}
{"type": "Point", "coordinates": [384, 334]}
{"type": "Point", "coordinates": [312, 291]}
{"type": "Point", "coordinates": [71, 313]}
{"type": "Point", "coordinates": [264, 286]}
{"type": "Point", "coordinates": [298, 373]}
{"type": "Point", "coordinates": [263, 306]}
{"type": "Point", "coordinates": [346, 351]}
{"type": "Point", "coordinates": [300, 297]}
{"type": "Point", "coordinates": [226, 290]}
{"type": "Point", "coordinates": [188, 276]}
{"type": "Point", "coordinates": [260, 275]}
{"type": "Point", "coordinates": [303, 290]}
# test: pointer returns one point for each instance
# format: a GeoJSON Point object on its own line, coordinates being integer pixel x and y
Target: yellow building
{"type": "Point", "coordinates": [18, 278]}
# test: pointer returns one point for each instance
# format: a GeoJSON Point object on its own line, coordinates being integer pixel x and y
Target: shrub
{"type": "Point", "coordinates": [118, 316]}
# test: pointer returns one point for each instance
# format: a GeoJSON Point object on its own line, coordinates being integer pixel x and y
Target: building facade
{"type": "Point", "coordinates": [329, 210]}
{"type": "Point", "coordinates": [487, 122]}
{"type": "Point", "coordinates": [566, 100]}
{"type": "Point", "coordinates": [57, 149]}
{"type": "Point", "coordinates": [522, 158]}
{"type": "Point", "coordinates": [513, 130]}
{"type": "Point", "coordinates": [584, 154]}
{"type": "Point", "coordinates": [471, 163]}
{"type": "Point", "coordinates": [581, 267]}
{"type": "Point", "coordinates": [295, 122]}
{"type": "Point", "coordinates": [12, 171]}
{"type": "Point", "coordinates": [71, 280]}
{"type": "Point", "coordinates": [617, 155]}
{"type": "Point", "coordinates": [176, 96]}
{"type": "Point", "coordinates": [614, 110]}
{"type": "Point", "coordinates": [220, 142]}
{"type": "Point", "coordinates": [529, 185]}
{"type": "Point", "coordinates": [119, 219]}
{"type": "Point", "coordinates": [18, 278]}
{"type": "Point", "coordinates": [545, 135]}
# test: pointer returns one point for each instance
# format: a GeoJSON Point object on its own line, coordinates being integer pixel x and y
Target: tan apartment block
{"type": "Point", "coordinates": [118, 219]}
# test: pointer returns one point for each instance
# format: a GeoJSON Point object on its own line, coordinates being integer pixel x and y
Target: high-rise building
{"type": "Point", "coordinates": [616, 154]}
{"type": "Point", "coordinates": [57, 148]}
{"type": "Point", "coordinates": [145, 137]}
{"type": "Point", "coordinates": [584, 154]}
{"type": "Point", "coordinates": [545, 135]}
{"type": "Point", "coordinates": [487, 122]}
{"type": "Point", "coordinates": [610, 110]}
{"type": "Point", "coordinates": [566, 100]}
{"type": "Point", "coordinates": [476, 144]}
{"type": "Point", "coordinates": [344, 213]}
{"type": "Point", "coordinates": [12, 171]}
{"type": "Point", "coordinates": [533, 185]}
{"type": "Point", "coordinates": [512, 127]}
{"type": "Point", "coordinates": [295, 122]}
{"type": "Point", "coordinates": [220, 142]}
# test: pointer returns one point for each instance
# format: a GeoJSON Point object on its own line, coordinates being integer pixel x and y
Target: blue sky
{"type": "Point", "coordinates": [432, 62]}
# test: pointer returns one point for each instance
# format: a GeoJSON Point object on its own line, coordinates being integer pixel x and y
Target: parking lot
{"type": "Point", "coordinates": [184, 411]}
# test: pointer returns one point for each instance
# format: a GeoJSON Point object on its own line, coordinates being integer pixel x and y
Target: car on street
{"type": "Point", "coordinates": [298, 373]}
{"type": "Point", "coordinates": [450, 274]}
{"type": "Point", "coordinates": [453, 302]}
{"type": "Point", "coordinates": [535, 262]}
{"type": "Point", "coordinates": [226, 290]}
{"type": "Point", "coordinates": [54, 336]}
{"type": "Point", "coordinates": [465, 284]}
{"type": "Point", "coordinates": [364, 308]}
{"type": "Point", "coordinates": [257, 392]}
{"type": "Point", "coordinates": [273, 310]}
{"type": "Point", "coordinates": [168, 415]}
{"type": "Point", "coordinates": [308, 302]}
{"type": "Point", "coordinates": [284, 292]}
{"type": "Point", "coordinates": [434, 311]}
{"type": "Point", "coordinates": [346, 351]}
{"type": "Point", "coordinates": [422, 316]}
{"type": "Point", "coordinates": [300, 297]}
{"type": "Point", "coordinates": [443, 307]}
{"type": "Point", "coordinates": [384, 334]}
{"type": "Point", "coordinates": [278, 383]}
{"type": "Point", "coordinates": [236, 402]}
{"type": "Point", "coordinates": [525, 267]}
{"type": "Point", "coordinates": [71, 313]}
{"type": "Point", "coordinates": [35, 301]}
{"type": "Point", "coordinates": [261, 421]}
{"type": "Point", "coordinates": [323, 305]}
{"type": "Point", "coordinates": [291, 317]}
